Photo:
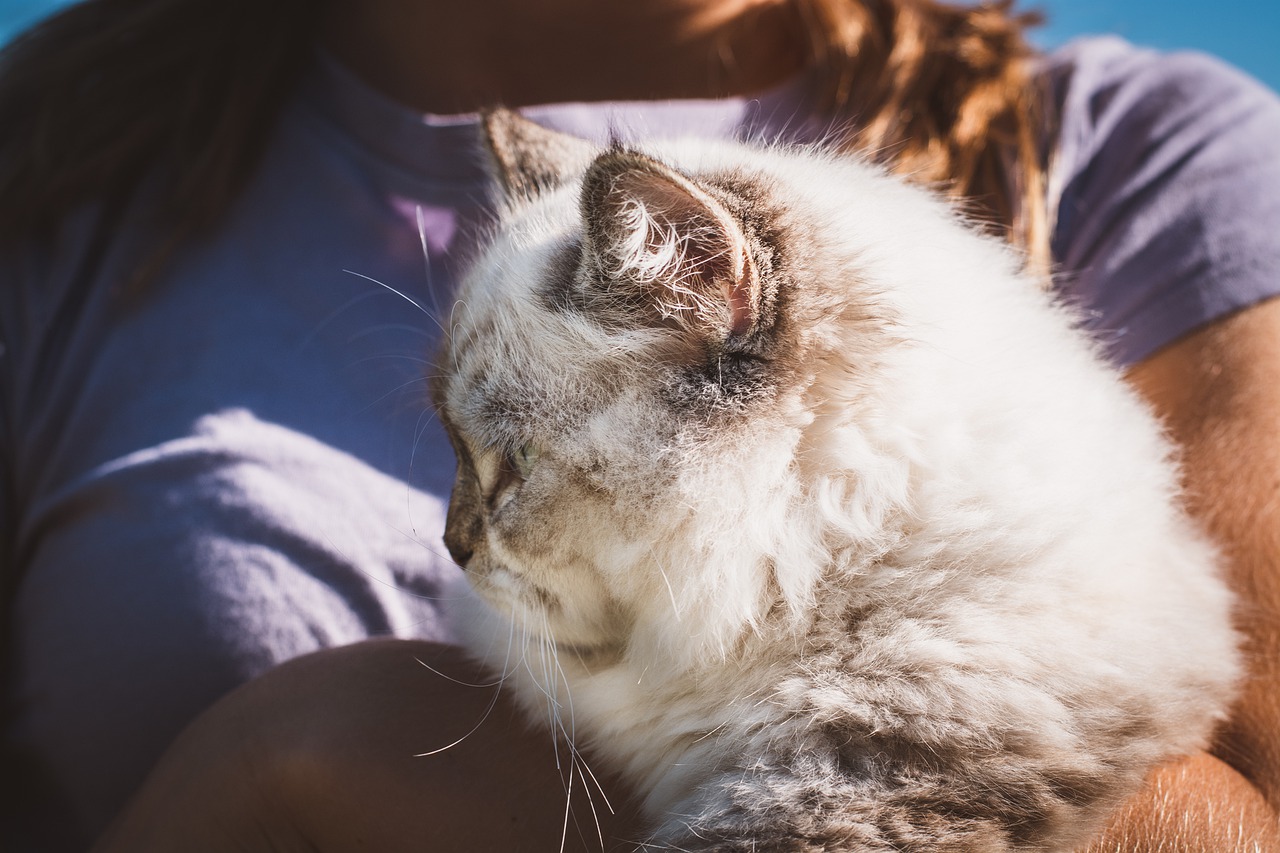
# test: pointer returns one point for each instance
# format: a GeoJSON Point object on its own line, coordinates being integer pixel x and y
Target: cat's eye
{"type": "Point", "coordinates": [515, 466]}
{"type": "Point", "coordinates": [524, 458]}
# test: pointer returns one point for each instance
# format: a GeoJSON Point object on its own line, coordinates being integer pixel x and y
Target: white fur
{"type": "Point", "coordinates": [962, 470]}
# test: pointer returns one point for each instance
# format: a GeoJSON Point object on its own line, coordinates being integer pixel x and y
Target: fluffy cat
{"type": "Point", "coordinates": [794, 500]}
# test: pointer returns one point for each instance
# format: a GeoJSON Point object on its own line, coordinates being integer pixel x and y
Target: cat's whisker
{"type": "Point", "coordinates": [420, 429]}
{"type": "Point", "coordinates": [543, 682]}
{"type": "Point", "coordinates": [595, 814]}
{"type": "Point", "coordinates": [584, 771]}
{"type": "Point", "coordinates": [401, 294]}
{"type": "Point", "coordinates": [426, 262]}
{"type": "Point", "coordinates": [328, 319]}
{"type": "Point", "coordinates": [590, 774]}
{"type": "Point", "coordinates": [497, 692]}
{"type": "Point", "coordinates": [527, 639]}
{"type": "Point", "coordinates": [421, 380]}
{"type": "Point", "coordinates": [576, 758]}
{"type": "Point", "coordinates": [505, 670]}
{"type": "Point", "coordinates": [453, 322]}
{"type": "Point", "coordinates": [392, 356]}
{"type": "Point", "coordinates": [382, 330]}
{"type": "Point", "coordinates": [552, 689]}
{"type": "Point", "coordinates": [495, 683]}
{"type": "Point", "coordinates": [850, 461]}
{"type": "Point", "coordinates": [568, 803]}
{"type": "Point", "coordinates": [493, 703]}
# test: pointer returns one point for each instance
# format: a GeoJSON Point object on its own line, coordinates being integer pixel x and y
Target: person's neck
{"type": "Point", "coordinates": [454, 57]}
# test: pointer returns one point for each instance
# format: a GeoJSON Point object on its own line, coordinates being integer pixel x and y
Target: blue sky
{"type": "Point", "coordinates": [1244, 32]}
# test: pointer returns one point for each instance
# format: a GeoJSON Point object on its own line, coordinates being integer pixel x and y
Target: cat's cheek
{"type": "Point", "coordinates": [568, 594]}
{"type": "Point", "coordinates": [496, 586]}
{"type": "Point", "coordinates": [563, 603]}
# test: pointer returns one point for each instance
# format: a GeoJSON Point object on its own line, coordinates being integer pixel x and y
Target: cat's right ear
{"type": "Point", "coordinates": [527, 158]}
{"type": "Point", "coordinates": [680, 250]}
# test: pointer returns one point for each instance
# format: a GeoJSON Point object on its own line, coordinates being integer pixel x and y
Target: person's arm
{"type": "Point", "coordinates": [324, 754]}
{"type": "Point", "coordinates": [1199, 804]}
{"type": "Point", "coordinates": [1218, 390]}
{"type": "Point", "coordinates": [318, 754]}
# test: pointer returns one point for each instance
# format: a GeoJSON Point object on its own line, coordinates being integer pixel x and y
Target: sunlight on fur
{"type": "Point", "coordinates": [798, 503]}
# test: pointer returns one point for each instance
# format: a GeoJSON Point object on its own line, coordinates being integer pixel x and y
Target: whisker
{"type": "Point", "coordinates": [431, 668]}
{"type": "Point", "coordinates": [420, 429]}
{"type": "Point", "coordinates": [401, 294]}
{"type": "Point", "coordinates": [485, 716]}
{"type": "Point", "coordinates": [426, 261]}
{"type": "Point", "coordinates": [383, 329]}
{"type": "Point", "coordinates": [568, 802]}
{"type": "Point", "coordinates": [420, 380]}
{"type": "Point", "coordinates": [578, 760]}
{"type": "Point", "coordinates": [333, 315]}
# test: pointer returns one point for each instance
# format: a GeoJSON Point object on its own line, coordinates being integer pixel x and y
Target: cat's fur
{"type": "Point", "coordinates": [792, 499]}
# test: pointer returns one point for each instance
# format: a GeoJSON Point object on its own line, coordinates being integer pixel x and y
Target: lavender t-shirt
{"type": "Point", "coordinates": [242, 466]}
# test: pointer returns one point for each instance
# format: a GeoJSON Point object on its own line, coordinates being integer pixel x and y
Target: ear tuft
{"type": "Point", "coordinates": [655, 231]}
{"type": "Point", "coordinates": [528, 158]}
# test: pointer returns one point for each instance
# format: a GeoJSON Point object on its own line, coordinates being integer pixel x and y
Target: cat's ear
{"type": "Point", "coordinates": [650, 227]}
{"type": "Point", "coordinates": [528, 158]}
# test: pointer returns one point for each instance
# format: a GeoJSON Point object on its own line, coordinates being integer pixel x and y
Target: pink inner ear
{"type": "Point", "coordinates": [740, 295]}
{"type": "Point", "coordinates": [731, 270]}
{"type": "Point", "coordinates": [715, 259]}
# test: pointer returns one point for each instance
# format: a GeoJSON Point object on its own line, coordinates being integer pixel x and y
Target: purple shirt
{"type": "Point", "coordinates": [244, 467]}
{"type": "Point", "coordinates": [1168, 175]}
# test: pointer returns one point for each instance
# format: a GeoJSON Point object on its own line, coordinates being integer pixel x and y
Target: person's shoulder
{"type": "Point", "coordinates": [1102, 85]}
{"type": "Point", "coordinates": [1108, 61]}
{"type": "Point", "coordinates": [1164, 176]}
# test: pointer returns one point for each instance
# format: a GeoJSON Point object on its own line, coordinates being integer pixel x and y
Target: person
{"type": "Point", "coordinates": [228, 232]}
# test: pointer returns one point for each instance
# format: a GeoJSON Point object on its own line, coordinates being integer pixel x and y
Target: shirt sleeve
{"type": "Point", "coordinates": [1167, 176]}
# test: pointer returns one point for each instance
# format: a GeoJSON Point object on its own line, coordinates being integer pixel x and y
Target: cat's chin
{"type": "Point", "coordinates": [542, 615]}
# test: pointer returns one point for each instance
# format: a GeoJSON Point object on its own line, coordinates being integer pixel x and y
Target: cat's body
{"type": "Point", "coordinates": [794, 501]}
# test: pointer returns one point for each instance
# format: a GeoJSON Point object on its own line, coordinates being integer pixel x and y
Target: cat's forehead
{"type": "Point", "coordinates": [559, 312]}
{"type": "Point", "coordinates": [514, 358]}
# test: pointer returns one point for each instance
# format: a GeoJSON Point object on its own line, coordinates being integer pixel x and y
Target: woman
{"type": "Point", "coordinates": [214, 448]}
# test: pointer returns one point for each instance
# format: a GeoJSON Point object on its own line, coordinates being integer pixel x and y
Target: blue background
{"type": "Point", "coordinates": [1244, 32]}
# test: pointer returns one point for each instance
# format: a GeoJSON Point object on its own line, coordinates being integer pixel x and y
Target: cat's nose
{"type": "Point", "coordinates": [462, 530]}
{"type": "Point", "coordinates": [460, 552]}
{"type": "Point", "coordinates": [463, 523]}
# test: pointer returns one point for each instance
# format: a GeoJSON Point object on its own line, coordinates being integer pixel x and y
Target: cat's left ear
{"type": "Point", "coordinates": [528, 158]}
{"type": "Point", "coordinates": [681, 251]}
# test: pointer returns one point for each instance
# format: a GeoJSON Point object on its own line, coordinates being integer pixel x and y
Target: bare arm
{"type": "Point", "coordinates": [1218, 390]}
{"type": "Point", "coordinates": [322, 754]}
{"type": "Point", "coordinates": [305, 758]}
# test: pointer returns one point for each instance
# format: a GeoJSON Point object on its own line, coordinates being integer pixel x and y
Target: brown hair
{"type": "Point", "coordinates": [106, 91]}
{"type": "Point", "coordinates": [943, 94]}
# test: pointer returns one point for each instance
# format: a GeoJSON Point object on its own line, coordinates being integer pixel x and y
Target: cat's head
{"type": "Point", "coordinates": [628, 374]}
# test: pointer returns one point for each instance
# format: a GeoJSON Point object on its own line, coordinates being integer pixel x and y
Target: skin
{"type": "Point", "coordinates": [328, 752]}
{"type": "Point", "coordinates": [318, 754]}
{"type": "Point", "coordinates": [1218, 390]}
{"type": "Point", "coordinates": [450, 57]}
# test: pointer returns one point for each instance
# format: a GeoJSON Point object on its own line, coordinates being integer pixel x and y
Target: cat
{"type": "Point", "coordinates": [786, 493]}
